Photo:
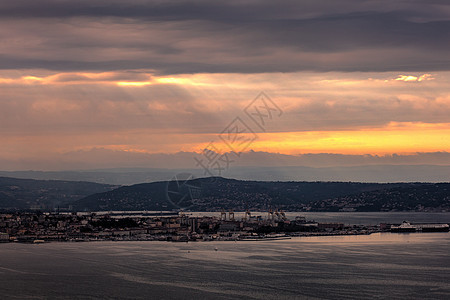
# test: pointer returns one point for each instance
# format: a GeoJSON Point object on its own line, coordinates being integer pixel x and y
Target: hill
{"type": "Point", "coordinates": [214, 194]}
{"type": "Point", "coordinates": [44, 194]}
{"type": "Point", "coordinates": [414, 196]}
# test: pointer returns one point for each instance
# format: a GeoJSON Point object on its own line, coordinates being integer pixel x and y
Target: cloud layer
{"type": "Point", "coordinates": [170, 37]}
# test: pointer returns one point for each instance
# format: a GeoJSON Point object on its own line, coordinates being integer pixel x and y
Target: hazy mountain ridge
{"type": "Point", "coordinates": [362, 173]}
{"type": "Point", "coordinates": [104, 159]}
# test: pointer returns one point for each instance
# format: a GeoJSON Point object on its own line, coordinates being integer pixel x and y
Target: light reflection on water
{"type": "Point", "coordinates": [384, 265]}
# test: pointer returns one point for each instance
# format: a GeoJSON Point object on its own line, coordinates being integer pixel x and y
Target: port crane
{"type": "Point", "coordinates": [231, 215]}
{"type": "Point", "coordinates": [223, 215]}
{"type": "Point", "coordinates": [247, 214]}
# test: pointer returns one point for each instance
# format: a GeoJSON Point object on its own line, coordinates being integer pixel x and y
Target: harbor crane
{"type": "Point", "coordinates": [223, 215]}
{"type": "Point", "coordinates": [247, 214]}
{"type": "Point", "coordinates": [231, 215]}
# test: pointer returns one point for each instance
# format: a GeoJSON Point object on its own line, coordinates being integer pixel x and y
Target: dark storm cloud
{"type": "Point", "coordinates": [219, 37]}
{"type": "Point", "coordinates": [164, 10]}
{"type": "Point", "coordinates": [233, 10]}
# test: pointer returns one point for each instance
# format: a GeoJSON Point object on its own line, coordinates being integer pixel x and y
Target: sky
{"type": "Point", "coordinates": [86, 84]}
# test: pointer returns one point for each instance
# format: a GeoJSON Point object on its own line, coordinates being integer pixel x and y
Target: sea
{"type": "Point", "coordinates": [376, 266]}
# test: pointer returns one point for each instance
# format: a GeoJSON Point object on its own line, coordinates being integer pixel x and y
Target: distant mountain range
{"type": "Point", "coordinates": [362, 173]}
{"type": "Point", "coordinates": [217, 193]}
{"type": "Point", "coordinates": [101, 158]}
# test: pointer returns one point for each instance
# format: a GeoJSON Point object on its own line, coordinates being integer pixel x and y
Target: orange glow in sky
{"type": "Point", "coordinates": [394, 138]}
{"type": "Point", "coordinates": [46, 113]}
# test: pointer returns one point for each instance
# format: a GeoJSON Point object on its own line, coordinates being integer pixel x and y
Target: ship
{"type": "Point", "coordinates": [404, 227]}
{"type": "Point", "coordinates": [408, 227]}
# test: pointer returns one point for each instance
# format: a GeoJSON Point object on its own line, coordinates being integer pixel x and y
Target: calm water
{"type": "Point", "coordinates": [379, 266]}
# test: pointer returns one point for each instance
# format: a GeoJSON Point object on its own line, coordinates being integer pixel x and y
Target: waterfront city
{"type": "Point", "coordinates": [39, 227]}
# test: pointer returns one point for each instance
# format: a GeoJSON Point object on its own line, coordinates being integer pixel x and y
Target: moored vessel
{"type": "Point", "coordinates": [408, 227]}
